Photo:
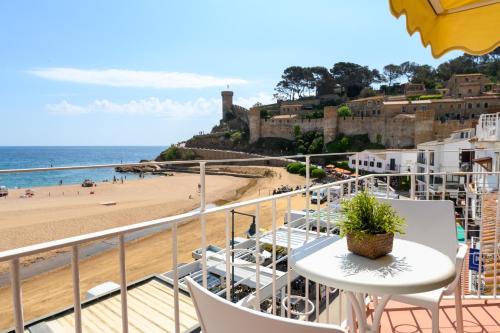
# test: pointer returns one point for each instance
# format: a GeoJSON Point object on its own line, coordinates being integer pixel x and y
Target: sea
{"type": "Point", "coordinates": [45, 157]}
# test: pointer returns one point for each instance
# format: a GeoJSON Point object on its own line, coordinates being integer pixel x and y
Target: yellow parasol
{"type": "Point", "coordinates": [469, 25]}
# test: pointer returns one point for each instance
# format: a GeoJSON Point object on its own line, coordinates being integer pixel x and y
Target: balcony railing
{"type": "Point", "coordinates": [275, 291]}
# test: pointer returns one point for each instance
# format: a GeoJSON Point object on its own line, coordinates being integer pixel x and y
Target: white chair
{"type": "Point", "coordinates": [432, 223]}
{"type": "Point", "coordinates": [216, 315]}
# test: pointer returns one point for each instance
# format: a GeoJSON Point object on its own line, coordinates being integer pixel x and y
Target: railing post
{"type": "Point", "coordinates": [17, 302]}
{"type": "Point", "coordinates": [289, 252]}
{"type": "Point", "coordinates": [357, 174]}
{"type": "Point", "coordinates": [388, 186]}
{"type": "Point", "coordinates": [176, 279]}
{"type": "Point", "coordinates": [75, 269]}
{"type": "Point", "coordinates": [413, 186]}
{"type": "Point", "coordinates": [427, 172]}
{"type": "Point", "coordinates": [308, 198]}
{"type": "Point", "coordinates": [257, 256]}
{"type": "Point", "coordinates": [274, 255]}
{"type": "Point", "coordinates": [123, 285]}
{"type": "Point", "coordinates": [496, 243]}
{"type": "Point", "coordinates": [203, 224]}
{"type": "Point", "coordinates": [443, 194]}
{"type": "Point", "coordinates": [228, 260]}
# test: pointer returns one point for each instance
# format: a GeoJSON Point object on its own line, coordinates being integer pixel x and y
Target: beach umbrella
{"type": "Point", "coordinates": [472, 26]}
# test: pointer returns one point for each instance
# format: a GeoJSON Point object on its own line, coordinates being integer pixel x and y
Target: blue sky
{"type": "Point", "coordinates": [150, 72]}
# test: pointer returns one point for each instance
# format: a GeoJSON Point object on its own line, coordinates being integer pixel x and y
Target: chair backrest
{"type": "Point", "coordinates": [429, 222]}
{"type": "Point", "coordinates": [216, 315]}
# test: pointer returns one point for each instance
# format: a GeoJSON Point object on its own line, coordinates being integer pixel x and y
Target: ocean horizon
{"type": "Point", "coordinates": [25, 157]}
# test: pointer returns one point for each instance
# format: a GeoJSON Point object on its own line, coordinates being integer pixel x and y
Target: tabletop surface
{"type": "Point", "coordinates": [410, 268]}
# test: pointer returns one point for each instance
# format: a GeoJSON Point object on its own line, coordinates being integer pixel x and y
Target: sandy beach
{"type": "Point", "coordinates": [42, 218]}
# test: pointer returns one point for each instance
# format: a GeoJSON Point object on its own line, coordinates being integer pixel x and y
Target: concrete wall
{"type": "Point", "coordinates": [216, 154]}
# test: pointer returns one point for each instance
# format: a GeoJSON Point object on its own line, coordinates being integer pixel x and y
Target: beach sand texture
{"type": "Point", "coordinates": [44, 218]}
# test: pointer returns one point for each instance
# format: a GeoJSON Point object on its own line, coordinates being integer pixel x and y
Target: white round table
{"type": "Point", "coordinates": [410, 268]}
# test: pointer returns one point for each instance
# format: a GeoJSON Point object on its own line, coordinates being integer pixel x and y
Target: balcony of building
{"type": "Point", "coordinates": [252, 268]}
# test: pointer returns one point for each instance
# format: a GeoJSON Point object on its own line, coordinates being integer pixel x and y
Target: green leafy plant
{"type": "Point", "coordinates": [294, 167]}
{"type": "Point", "coordinates": [318, 173]}
{"type": "Point", "coordinates": [344, 111]}
{"type": "Point", "coordinates": [365, 215]}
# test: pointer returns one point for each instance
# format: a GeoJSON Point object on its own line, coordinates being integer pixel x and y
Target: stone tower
{"type": "Point", "coordinates": [254, 124]}
{"type": "Point", "coordinates": [330, 123]}
{"type": "Point", "coordinates": [227, 104]}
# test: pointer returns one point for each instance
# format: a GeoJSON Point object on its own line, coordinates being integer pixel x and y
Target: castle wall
{"type": "Point", "coordinates": [283, 127]}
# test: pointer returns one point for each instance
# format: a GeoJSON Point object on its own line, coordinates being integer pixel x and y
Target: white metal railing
{"type": "Point", "coordinates": [349, 186]}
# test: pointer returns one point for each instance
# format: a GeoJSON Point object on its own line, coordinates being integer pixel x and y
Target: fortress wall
{"type": "Point", "coordinates": [392, 132]}
{"type": "Point", "coordinates": [283, 128]}
{"type": "Point", "coordinates": [429, 129]}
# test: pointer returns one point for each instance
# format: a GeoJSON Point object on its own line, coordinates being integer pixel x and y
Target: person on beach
{"type": "Point", "coordinates": [60, 182]}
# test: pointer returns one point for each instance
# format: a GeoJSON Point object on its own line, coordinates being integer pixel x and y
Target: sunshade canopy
{"type": "Point", "coordinates": [472, 26]}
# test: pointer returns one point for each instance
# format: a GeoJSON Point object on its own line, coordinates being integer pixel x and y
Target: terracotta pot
{"type": "Point", "coordinates": [370, 246]}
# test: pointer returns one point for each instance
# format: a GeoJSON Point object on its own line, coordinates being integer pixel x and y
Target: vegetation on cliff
{"type": "Point", "coordinates": [173, 153]}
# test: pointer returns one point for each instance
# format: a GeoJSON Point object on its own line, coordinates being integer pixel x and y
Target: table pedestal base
{"type": "Point", "coordinates": [357, 302]}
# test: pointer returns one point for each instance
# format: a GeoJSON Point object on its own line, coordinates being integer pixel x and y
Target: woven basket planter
{"type": "Point", "coordinates": [370, 246]}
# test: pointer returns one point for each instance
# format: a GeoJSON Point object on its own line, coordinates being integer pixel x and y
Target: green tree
{"type": "Point", "coordinates": [296, 131]}
{"type": "Point", "coordinates": [294, 82]}
{"type": "Point", "coordinates": [425, 74]}
{"type": "Point", "coordinates": [344, 111]}
{"type": "Point", "coordinates": [392, 73]}
{"type": "Point", "coordinates": [264, 114]}
{"type": "Point", "coordinates": [324, 83]}
{"type": "Point", "coordinates": [407, 69]}
{"type": "Point", "coordinates": [353, 77]}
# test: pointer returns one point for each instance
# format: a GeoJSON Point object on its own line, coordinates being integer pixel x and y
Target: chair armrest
{"type": "Point", "coordinates": [459, 263]}
{"type": "Point", "coordinates": [462, 251]}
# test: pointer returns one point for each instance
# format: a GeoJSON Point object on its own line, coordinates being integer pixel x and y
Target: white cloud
{"type": "Point", "coordinates": [131, 78]}
{"type": "Point", "coordinates": [153, 106]}
{"type": "Point", "coordinates": [248, 102]}
{"type": "Point", "coordinates": [166, 108]}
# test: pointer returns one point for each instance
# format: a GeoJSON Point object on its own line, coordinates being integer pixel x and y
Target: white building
{"type": "Point", "coordinates": [487, 144]}
{"type": "Point", "coordinates": [452, 154]}
{"type": "Point", "coordinates": [385, 160]}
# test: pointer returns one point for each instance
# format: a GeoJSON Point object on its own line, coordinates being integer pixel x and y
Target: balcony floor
{"type": "Point", "coordinates": [479, 316]}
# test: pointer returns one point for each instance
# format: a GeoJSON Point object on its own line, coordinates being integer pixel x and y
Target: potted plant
{"type": "Point", "coordinates": [369, 225]}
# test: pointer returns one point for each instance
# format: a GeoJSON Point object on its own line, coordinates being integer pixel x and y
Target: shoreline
{"type": "Point", "coordinates": [57, 212]}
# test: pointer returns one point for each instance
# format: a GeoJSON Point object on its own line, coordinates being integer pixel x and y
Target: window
{"type": "Point", "coordinates": [379, 165]}
{"type": "Point", "coordinates": [469, 91]}
{"type": "Point", "coordinates": [478, 105]}
{"type": "Point", "coordinates": [365, 163]}
{"type": "Point", "coordinates": [392, 164]}
{"type": "Point", "coordinates": [469, 105]}
{"type": "Point", "coordinates": [459, 106]}
{"type": "Point", "coordinates": [359, 162]}
{"type": "Point", "coordinates": [485, 105]}
{"type": "Point", "coordinates": [466, 79]}
{"type": "Point", "coordinates": [431, 158]}
{"type": "Point", "coordinates": [372, 163]}
{"type": "Point", "coordinates": [353, 162]}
